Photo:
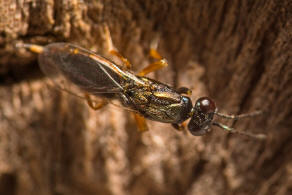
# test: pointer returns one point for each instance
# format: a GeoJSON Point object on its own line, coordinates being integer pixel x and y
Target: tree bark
{"type": "Point", "coordinates": [236, 52]}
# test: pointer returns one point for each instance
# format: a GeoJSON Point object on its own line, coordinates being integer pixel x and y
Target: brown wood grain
{"type": "Point", "coordinates": [236, 52]}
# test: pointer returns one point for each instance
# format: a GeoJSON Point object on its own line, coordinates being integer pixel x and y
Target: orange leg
{"type": "Point", "coordinates": [141, 122]}
{"type": "Point", "coordinates": [94, 105]}
{"type": "Point", "coordinates": [161, 63]}
{"type": "Point", "coordinates": [112, 50]}
{"type": "Point", "coordinates": [153, 67]}
{"type": "Point", "coordinates": [31, 47]}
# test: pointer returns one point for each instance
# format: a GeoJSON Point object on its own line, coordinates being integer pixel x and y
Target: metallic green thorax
{"type": "Point", "coordinates": [157, 101]}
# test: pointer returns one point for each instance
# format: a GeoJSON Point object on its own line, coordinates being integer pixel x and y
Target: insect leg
{"type": "Point", "coordinates": [180, 127]}
{"type": "Point", "coordinates": [112, 49]}
{"type": "Point", "coordinates": [91, 104]}
{"type": "Point", "coordinates": [31, 47]}
{"type": "Point", "coordinates": [184, 90]}
{"type": "Point", "coordinates": [141, 122]}
{"type": "Point", "coordinates": [177, 127]}
{"type": "Point", "coordinates": [153, 67]}
{"type": "Point", "coordinates": [160, 63]}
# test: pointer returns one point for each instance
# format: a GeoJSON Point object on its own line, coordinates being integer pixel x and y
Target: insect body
{"type": "Point", "coordinates": [101, 77]}
{"type": "Point", "coordinates": [149, 98]}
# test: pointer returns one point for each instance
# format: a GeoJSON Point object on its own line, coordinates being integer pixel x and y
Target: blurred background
{"type": "Point", "coordinates": [236, 52]}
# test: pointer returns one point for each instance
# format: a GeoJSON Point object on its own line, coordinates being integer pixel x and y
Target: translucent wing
{"type": "Point", "coordinates": [66, 64]}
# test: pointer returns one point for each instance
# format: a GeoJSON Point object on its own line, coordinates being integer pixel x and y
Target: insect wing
{"type": "Point", "coordinates": [65, 63]}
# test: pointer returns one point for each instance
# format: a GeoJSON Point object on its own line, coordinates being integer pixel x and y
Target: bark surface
{"type": "Point", "coordinates": [236, 52]}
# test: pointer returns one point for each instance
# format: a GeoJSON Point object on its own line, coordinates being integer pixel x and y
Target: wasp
{"type": "Point", "coordinates": [98, 76]}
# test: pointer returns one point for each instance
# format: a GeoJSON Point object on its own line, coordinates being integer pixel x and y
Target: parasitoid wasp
{"type": "Point", "coordinates": [97, 76]}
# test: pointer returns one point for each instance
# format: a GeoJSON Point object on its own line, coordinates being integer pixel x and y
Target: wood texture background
{"type": "Point", "coordinates": [236, 52]}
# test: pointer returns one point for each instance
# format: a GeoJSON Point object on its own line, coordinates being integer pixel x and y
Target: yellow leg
{"type": "Point", "coordinates": [31, 47]}
{"type": "Point", "coordinates": [161, 63]}
{"type": "Point", "coordinates": [112, 50]}
{"type": "Point", "coordinates": [154, 54]}
{"type": "Point", "coordinates": [153, 67]}
{"type": "Point", "coordinates": [141, 123]}
{"type": "Point", "coordinates": [153, 49]}
{"type": "Point", "coordinates": [93, 105]}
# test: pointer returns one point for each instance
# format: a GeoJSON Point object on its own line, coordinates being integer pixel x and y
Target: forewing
{"type": "Point", "coordinates": [78, 70]}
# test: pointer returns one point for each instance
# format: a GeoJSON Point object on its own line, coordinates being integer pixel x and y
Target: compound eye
{"type": "Point", "coordinates": [197, 130]}
{"type": "Point", "coordinates": [206, 105]}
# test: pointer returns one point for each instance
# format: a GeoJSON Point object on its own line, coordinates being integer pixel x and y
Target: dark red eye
{"type": "Point", "coordinates": [202, 116]}
{"type": "Point", "coordinates": [205, 105]}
